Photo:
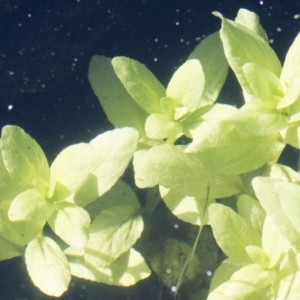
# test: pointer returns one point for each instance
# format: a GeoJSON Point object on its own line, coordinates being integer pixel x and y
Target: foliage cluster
{"type": "Point", "coordinates": [231, 153]}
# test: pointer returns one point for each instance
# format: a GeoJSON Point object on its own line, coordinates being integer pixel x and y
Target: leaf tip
{"type": "Point", "coordinates": [217, 14]}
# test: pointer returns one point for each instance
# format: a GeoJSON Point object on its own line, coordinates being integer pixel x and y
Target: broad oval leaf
{"type": "Point", "coordinates": [112, 233]}
{"type": "Point", "coordinates": [23, 158]}
{"type": "Point", "coordinates": [47, 266]}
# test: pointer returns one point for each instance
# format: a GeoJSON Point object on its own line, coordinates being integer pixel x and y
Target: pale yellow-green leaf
{"type": "Point", "coordinates": [140, 83]}
{"type": "Point", "coordinates": [120, 108]}
{"type": "Point", "coordinates": [112, 233]}
{"type": "Point", "coordinates": [30, 205]}
{"type": "Point", "coordinates": [9, 250]}
{"type": "Point", "coordinates": [18, 232]}
{"type": "Point", "coordinates": [169, 166]}
{"type": "Point", "coordinates": [251, 211]}
{"type": "Point", "coordinates": [291, 66]}
{"type": "Point", "coordinates": [242, 45]}
{"type": "Point", "coordinates": [223, 149]}
{"type": "Point", "coordinates": [71, 223]}
{"type": "Point", "coordinates": [289, 288]}
{"type": "Point", "coordinates": [292, 96]}
{"type": "Point", "coordinates": [187, 84]}
{"type": "Point", "coordinates": [214, 64]}
{"type": "Point", "coordinates": [264, 84]}
{"type": "Point", "coordinates": [258, 256]}
{"type": "Point", "coordinates": [232, 233]}
{"type": "Point", "coordinates": [272, 193]}
{"type": "Point", "coordinates": [127, 270]}
{"type": "Point", "coordinates": [284, 173]}
{"type": "Point", "coordinates": [250, 20]}
{"type": "Point", "coordinates": [23, 157]}
{"type": "Point", "coordinates": [47, 266]}
{"type": "Point", "coordinates": [120, 193]}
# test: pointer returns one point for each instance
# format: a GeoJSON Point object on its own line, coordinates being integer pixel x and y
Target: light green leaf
{"type": "Point", "coordinates": [272, 194]}
{"type": "Point", "coordinates": [23, 157]}
{"type": "Point", "coordinates": [291, 98]}
{"type": "Point", "coordinates": [159, 126]}
{"type": "Point", "coordinates": [30, 205]}
{"type": "Point", "coordinates": [214, 64]}
{"type": "Point", "coordinates": [18, 232]}
{"type": "Point", "coordinates": [233, 234]}
{"type": "Point", "coordinates": [47, 266]}
{"type": "Point", "coordinates": [120, 108]}
{"type": "Point", "coordinates": [112, 233]}
{"type": "Point", "coordinates": [259, 256]}
{"type": "Point", "coordinates": [187, 84]}
{"type": "Point", "coordinates": [251, 211]}
{"type": "Point", "coordinates": [251, 20]}
{"type": "Point", "coordinates": [70, 222]}
{"type": "Point", "coordinates": [264, 84]}
{"type": "Point", "coordinates": [9, 250]}
{"type": "Point", "coordinates": [284, 173]}
{"type": "Point", "coordinates": [140, 83]}
{"type": "Point", "coordinates": [186, 208]}
{"type": "Point", "coordinates": [291, 134]}
{"type": "Point", "coordinates": [127, 270]}
{"type": "Point", "coordinates": [169, 166]}
{"type": "Point", "coordinates": [291, 66]}
{"type": "Point", "coordinates": [289, 287]}
{"type": "Point", "coordinates": [9, 189]}
{"type": "Point", "coordinates": [223, 149]}
{"type": "Point", "coordinates": [242, 45]}
{"type": "Point", "coordinates": [247, 280]}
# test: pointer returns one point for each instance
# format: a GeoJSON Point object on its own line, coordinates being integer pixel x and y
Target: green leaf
{"type": "Point", "coordinates": [127, 270]}
{"type": "Point", "coordinates": [233, 234]}
{"type": "Point", "coordinates": [9, 250]}
{"type": "Point", "coordinates": [289, 287]}
{"type": "Point", "coordinates": [89, 170]}
{"type": "Point", "coordinates": [186, 208]}
{"type": "Point", "coordinates": [71, 223]}
{"type": "Point", "coordinates": [9, 189]}
{"type": "Point", "coordinates": [140, 83]}
{"type": "Point", "coordinates": [120, 108]}
{"type": "Point", "coordinates": [159, 126]}
{"type": "Point", "coordinates": [120, 194]}
{"type": "Point", "coordinates": [251, 210]}
{"type": "Point", "coordinates": [242, 45]}
{"type": "Point", "coordinates": [273, 194]}
{"type": "Point", "coordinates": [264, 85]}
{"type": "Point", "coordinates": [18, 232]}
{"type": "Point", "coordinates": [30, 205]}
{"type": "Point", "coordinates": [169, 166]}
{"type": "Point", "coordinates": [214, 64]}
{"type": "Point", "coordinates": [291, 134]}
{"type": "Point", "coordinates": [222, 149]}
{"type": "Point", "coordinates": [187, 84]}
{"type": "Point", "coordinates": [291, 66]}
{"type": "Point", "coordinates": [23, 158]}
{"type": "Point", "coordinates": [112, 233]}
{"type": "Point", "coordinates": [251, 20]}
{"type": "Point", "coordinates": [47, 266]}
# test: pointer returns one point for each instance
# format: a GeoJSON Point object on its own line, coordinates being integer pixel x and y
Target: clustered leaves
{"type": "Point", "coordinates": [231, 153]}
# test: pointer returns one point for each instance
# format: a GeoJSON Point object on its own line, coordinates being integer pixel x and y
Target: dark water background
{"type": "Point", "coordinates": [45, 48]}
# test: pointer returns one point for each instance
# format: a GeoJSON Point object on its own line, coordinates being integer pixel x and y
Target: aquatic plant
{"type": "Point", "coordinates": [215, 165]}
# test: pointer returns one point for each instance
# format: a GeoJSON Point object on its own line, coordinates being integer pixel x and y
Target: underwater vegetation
{"type": "Point", "coordinates": [215, 166]}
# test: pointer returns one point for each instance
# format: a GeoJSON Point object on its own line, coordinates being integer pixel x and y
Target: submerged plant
{"type": "Point", "coordinates": [225, 175]}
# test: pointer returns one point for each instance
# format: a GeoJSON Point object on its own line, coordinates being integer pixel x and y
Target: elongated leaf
{"type": "Point", "coordinates": [140, 83]}
{"type": "Point", "coordinates": [187, 84]}
{"type": "Point", "coordinates": [272, 194]}
{"type": "Point", "coordinates": [169, 166]}
{"type": "Point", "coordinates": [223, 149]}
{"type": "Point", "coordinates": [47, 266]}
{"type": "Point", "coordinates": [214, 64]}
{"type": "Point", "coordinates": [70, 222]}
{"type": "Point", "coordinates": [292, 62]}
{"type": "Point", "coordinates": [233, 234]}
{"type": "Point", "coordinates": [127, 270]}
{"type": "Point", "coordinates": [23, 157]}
{"type": "Point", "coordinates": [242, 45]}
{"type": "Point", "coordinates": [120, 108]}
{"type": "Point", "coordinates": [111, 234]}
{"type": "Point", "coordinates": [30, 205]}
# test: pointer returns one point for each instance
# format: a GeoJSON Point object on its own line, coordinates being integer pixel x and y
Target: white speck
{"type": "Point", "coordinates": [296, 16]}
{"type": "Point", "coordinates": [177, 23]}
{"type": "Point", "coordinates": [261, 2]}
{"type": "Point", "coordinates": [155, 40]}
{"type": "Point", "coordinates": [19, 24]}
{"type": "Point", "coordinates": [168, 271]}
{"type": "Point", "coordinates": [279, 29]}
{"type": "Point", "coordinates": [209, 273]}
{"type": "Point", "coordinates": [176, 226]}
{"type": "Point", "coordinates": [10, 107]}
{"type": "Point", "coordinates": [29, 15]}
{"type": "Point", "coordinates": [11, 73]}
{"type": "Point", "coordinates": [75, 59]}
{"type": "Point", "coordinates": [173, 289]}
{"type": "Point", "coordinates": [155, 59]}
